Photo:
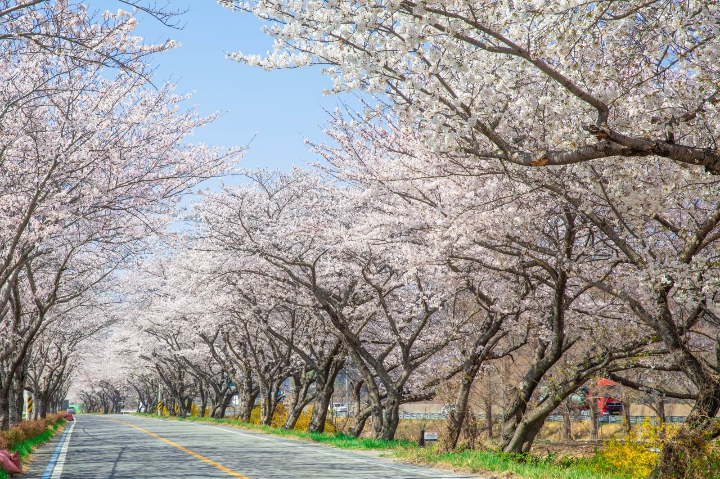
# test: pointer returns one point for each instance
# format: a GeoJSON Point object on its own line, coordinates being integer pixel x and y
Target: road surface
{"type": "Point", "coordinates": [116, 446]}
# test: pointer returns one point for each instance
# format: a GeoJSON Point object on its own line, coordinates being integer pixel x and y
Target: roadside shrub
{"type": "Point", "coordinates": [637, 459]}
{"type": "Point", "coordinates": [633, 459]}
{"type": "Point", "coordinates": [281, 414]}
{"type": "Point", "coordinates": [55, 418]}
{"type": "Point", "coordinates": [26, 430]}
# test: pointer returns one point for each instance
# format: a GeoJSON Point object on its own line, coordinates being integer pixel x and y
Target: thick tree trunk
{"type": "Point", "coordinates": [525, 435]}
{"type": "Point", "coordinates": [14, 413]}
{"type": "Point", "coordinates": [594, 418]}
{"type": "Point", "coordinates": [323, 398]}
{"type": "Point", "coordinates": [359, 422]}
{"type": "Point", "coordinates": [660, 406]}
{"type": "Point", "coordinates": [42, 403]}
{"type": "Point", "coordinates": [292, 418]}
{"type": "Point", "coordinates": [391, 417]}
{"type": "Point", "coordinates": [299, 399]}
{"type": "Point", "coordinates": [520, 397]}
{"type": "Point", "coordinates": [269, 404]}
{"type": "Point", "coordinates": [626, 417]}
{"type": "Point", "coordinates": [4, 412]}
{"type": "Point", "coordinates": [457, 416]}
{"type": "Point", "coordinates": [203, 405]}
{"type": "Point", "coordinates": [247, 403]}
{"type": "Point", "coordinates": [226, 404]}
{"type": "Point", "coordinates": [215, 410]}
{"type": "Point", "coordinates": [203, 401]}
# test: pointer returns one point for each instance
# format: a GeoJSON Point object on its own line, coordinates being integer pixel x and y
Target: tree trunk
{"type": "Point", "coordinates": [292, 418]}
{"type": "Point", "coordinates": [13, 411]}
{"type": "Point", "coordinates": [299, 400]}
{"type": "Point", "coordinates": [323, 398]}
{"type": "Point", "coordinates": [215, 410]}
{"type": "Point", "coordinates": [488, 418]}
{"type": "Point", "coordinates": [594, 419]}
{"type": "Point", "coordinates": [42, 403]}
{"type": "Point", "coordinates": [456, 419]}
{"type": "Point", "coordinates": [4, 412]}
{"type": "Point", "coordinates": [525, 435]}
{"type": "Point", "coordinates": [269, 404]}
{"type": "Point", "coordinates": [626, 417]}
{"type": "Point", "coordinates": [660, 405]}
{"type": "Point", "coordinates": [520, 397]}
{"type": "Point", "coordinates": [248, 394]}
{"type": "Point", "coordinates": [391, 417]}
{"type": "Point", "coordinates": [19, 392]}
{"type": "Point", "coordinates": [359, 423]}
{"type": "Point", "coordinates": [247, 403]}
{"type": "Point", "coordinates": [567, 423]}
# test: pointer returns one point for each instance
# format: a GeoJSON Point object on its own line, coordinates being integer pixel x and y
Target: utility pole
{"type": "Point", "coordinates": [347, 393]}
{"type": "Point", "coordinates": [159, 406]}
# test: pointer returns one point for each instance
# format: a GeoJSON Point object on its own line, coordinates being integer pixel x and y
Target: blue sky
{"type": "Point", "coordinates": [278, 108]}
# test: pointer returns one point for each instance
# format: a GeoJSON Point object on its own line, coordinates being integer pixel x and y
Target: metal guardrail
{"type": "Point", "coordinates": [555, 418]}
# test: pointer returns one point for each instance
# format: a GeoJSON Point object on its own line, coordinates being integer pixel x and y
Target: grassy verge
{"type": "Point", "coordinates": [339, 440]}
{"type": "Point", "coordinates": [526, 466]}
{"type": "Point", "coordinates": [25, 448]}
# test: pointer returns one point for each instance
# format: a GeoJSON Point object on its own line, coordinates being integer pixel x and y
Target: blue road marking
{"type": "Point", "coordinates": [53, 460]}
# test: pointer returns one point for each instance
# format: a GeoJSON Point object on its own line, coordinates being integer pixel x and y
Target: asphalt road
{"type": "Point", "coordinates": [117, 446]}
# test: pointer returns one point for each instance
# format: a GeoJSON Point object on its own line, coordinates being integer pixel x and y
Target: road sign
{"type": "Point", "coordinates": [430, 436]}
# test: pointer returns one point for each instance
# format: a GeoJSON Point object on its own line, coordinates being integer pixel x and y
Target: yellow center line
{"type": "Point", "coordinates": [184, 449]}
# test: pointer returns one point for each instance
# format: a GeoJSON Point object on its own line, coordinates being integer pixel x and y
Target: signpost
{"type": "Point", "coordinates": [29, 404]}
{"type": "Point", "coordinates": [426, 436]}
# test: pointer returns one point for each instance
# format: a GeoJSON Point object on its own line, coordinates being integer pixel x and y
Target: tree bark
{"type": "Point", "coordinates": [567, 423]}
{"type": "Point", "coordinates": [626, 417]}
{"type": "Point", "coordinates": [391, 417]}
{"type": "Point", "coordinates": [359, 423]}
{"type": "Point", "coordinates": [594, 419]}
{"type": "Point", "coordinates": [456, 419]}
{"type": "Point", "coordinates": [325, 387]}
{"type": "Point", "coordinates": [4, 412]}
{"type": "Point", "coordinates": [247, 400]}
{"type": "Point", "coordinates": [299, 399]}
{"type": "Point", "coordinates": [488, 418]}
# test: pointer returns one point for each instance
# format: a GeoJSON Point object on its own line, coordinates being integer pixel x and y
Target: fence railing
{"type": "Point", "coordinates": [555, 418]}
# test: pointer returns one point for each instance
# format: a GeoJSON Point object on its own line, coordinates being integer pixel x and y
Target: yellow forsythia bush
{"type": "Point", "coordinates": [281, 414]}
{"type": "Point", "coordinates": [278, 417]}
{"type": "Point", "coordinates": [635, 459]}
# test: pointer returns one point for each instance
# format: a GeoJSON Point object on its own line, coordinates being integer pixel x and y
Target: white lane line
{"type": "Point", "coordinates": [57, 472]}
{"type": "Point", "coordinates": [319, 450]}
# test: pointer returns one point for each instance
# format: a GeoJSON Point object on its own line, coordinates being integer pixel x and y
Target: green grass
{"type": "Point", "coordinates": [529, 466]}
{"type": "Point", "coordinates": [26, 447]}
{"type": "Point", "coordinates": [339, 440]}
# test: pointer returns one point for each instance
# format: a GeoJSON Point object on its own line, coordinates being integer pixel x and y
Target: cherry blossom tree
{"type": "Point", "coordinates": [495, 233]}
{"type": "Point", "coordinates": [391, 317]}
{"type": "Point", "coordinates": [531, 83]}
{"type": "Point", "coordinates": [614, 240]}
{"type": "Point", "coordinates": [93, 164]}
